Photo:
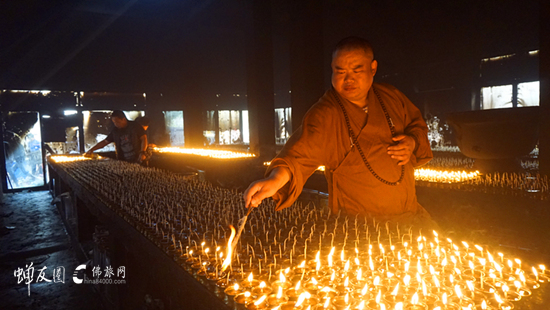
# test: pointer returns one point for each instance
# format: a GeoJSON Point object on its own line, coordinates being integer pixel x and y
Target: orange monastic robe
{"type": "Point", "coordinates": [323, 139]}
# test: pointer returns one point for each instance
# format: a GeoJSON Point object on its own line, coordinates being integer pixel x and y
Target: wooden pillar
{"type": "Point", "coordinates": [259, 65]}
{"type": "Point", "coordinates": [155, 105]}
{"type": "Point", "coordinates": [81, 143]}
{"type": "Point", "coordinates": [192, 120]}
{"type": "Point", "coordinates": [544, 75]}
{"type": "Point", "coordinates": [306, 57]}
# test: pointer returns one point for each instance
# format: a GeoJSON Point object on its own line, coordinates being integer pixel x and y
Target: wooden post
{"type": "Point", "coordinates": [306, 57]}
{"type": "Point", "coordinates": [259, 65]}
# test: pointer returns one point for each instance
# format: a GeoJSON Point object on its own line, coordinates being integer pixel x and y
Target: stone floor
{"type": "Point", "coordinates": [37, 235]}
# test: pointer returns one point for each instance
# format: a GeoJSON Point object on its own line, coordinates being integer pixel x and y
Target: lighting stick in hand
{"type": "Point", "coordinates": [242, 222]}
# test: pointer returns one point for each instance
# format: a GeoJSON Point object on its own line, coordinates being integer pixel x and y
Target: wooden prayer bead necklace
{"type": "Point", "coordinates": [356, 142]}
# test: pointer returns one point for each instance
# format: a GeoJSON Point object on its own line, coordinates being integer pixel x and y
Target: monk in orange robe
{"type": "Point", "coordinates": [368, 136]}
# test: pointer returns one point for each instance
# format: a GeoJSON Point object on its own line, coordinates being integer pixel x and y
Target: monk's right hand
{"type": "Point", "coordinates": [264, 188]}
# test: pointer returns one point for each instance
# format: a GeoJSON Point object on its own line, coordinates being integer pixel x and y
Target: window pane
{"type": "Point", "coordinates": [225, 127]}
{"type": "Point", "coordinates": [529, 94]}
{"type": "Point", "coordinates": [246, 134]}
{"type": "Point", "coordinates": [174, 126]}
{"type": "Point", "coordinates": [132, 115]}
{"type": "Point", "coordinates": [23, 149]}
{"type": "Point", "coordinates": [283, 125]}
{"type": "Point", "coordinates": [210, 130]}
{"type": "Point", "coordinates": [209, 120]}
{"type": "Point", "coordinates": [280, 126]}
{"type": "Point", "coordinates": [288, 122]}
{"type": "Point", "coordinates": [97, 125]}
{"type": "Point", "coordinates": [235, 128]}
{"type": "Point", "coordinates": [72, 144]}
{"type": "Point", "coordinates": [496, 97]}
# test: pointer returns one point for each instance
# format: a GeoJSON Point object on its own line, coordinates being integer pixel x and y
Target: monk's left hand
{"type": "Point", "coordinates": [403, 150]}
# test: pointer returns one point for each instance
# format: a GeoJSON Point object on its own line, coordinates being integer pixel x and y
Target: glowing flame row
{"type": "Point", "coordinates": [204, 152]}
{"type": "Point", "coordinates": [431, 175]}
{"type": "Point", "coordinates": [443, 255]}
{"type": "Point", "coordinates": [65, 159]}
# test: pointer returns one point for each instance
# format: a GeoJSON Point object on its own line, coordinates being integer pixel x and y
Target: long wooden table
{"type": "Point", "coordinates": [149, 270]}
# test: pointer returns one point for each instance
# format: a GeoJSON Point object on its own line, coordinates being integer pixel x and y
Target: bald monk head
{"type": "Point", "coordinates": [353, 69]}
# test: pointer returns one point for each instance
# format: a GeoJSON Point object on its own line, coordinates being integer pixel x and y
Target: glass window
{"type": "Point", "coordinates": [496, 97]}
{"type": "Point", "coordinates": [235, 128]}
{"type": "Point", "coordinates": [210, 130]}
{"type": "Point", "coordinates": [283, 125]}
{"type": "Point", "coordinates": [229, 127]}
{"type": "Point", "coordinates": [174, 127]}
{"type": "Point", "coordinates": [132, 115]}
{"type": "Point", "coordinates": [72, 142]}
{"type": "Point", "coordinates": [528, 94]}
{"type": "Point", "coordinates": [23, 150]}
{"type": "Point", "coordinates": [246, 132]}
{"type": "Point", "coordinates": [279, 126]}
{"type": "Point", "coordinates": [224, 125]}
{"type": "Point", "coordinates": [288, 122]}
{"type": "Point", "coordinates": [58, 147]}
{"type": "Point", "coordinates": [97, 125]}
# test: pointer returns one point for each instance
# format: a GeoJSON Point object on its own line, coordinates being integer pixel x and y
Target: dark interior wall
{"type": "Point", "coordinates": [281, 52]}
{"type": "Point", "coordinates": [125, 46]}
{"type": "Point", "coordinates": [431, 50]}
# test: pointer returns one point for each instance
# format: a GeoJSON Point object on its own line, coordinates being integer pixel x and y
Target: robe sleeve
{"type": "Point", "coordinates": [303, 153]}
{"type": "Point", "coordinates": [416, 127]}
